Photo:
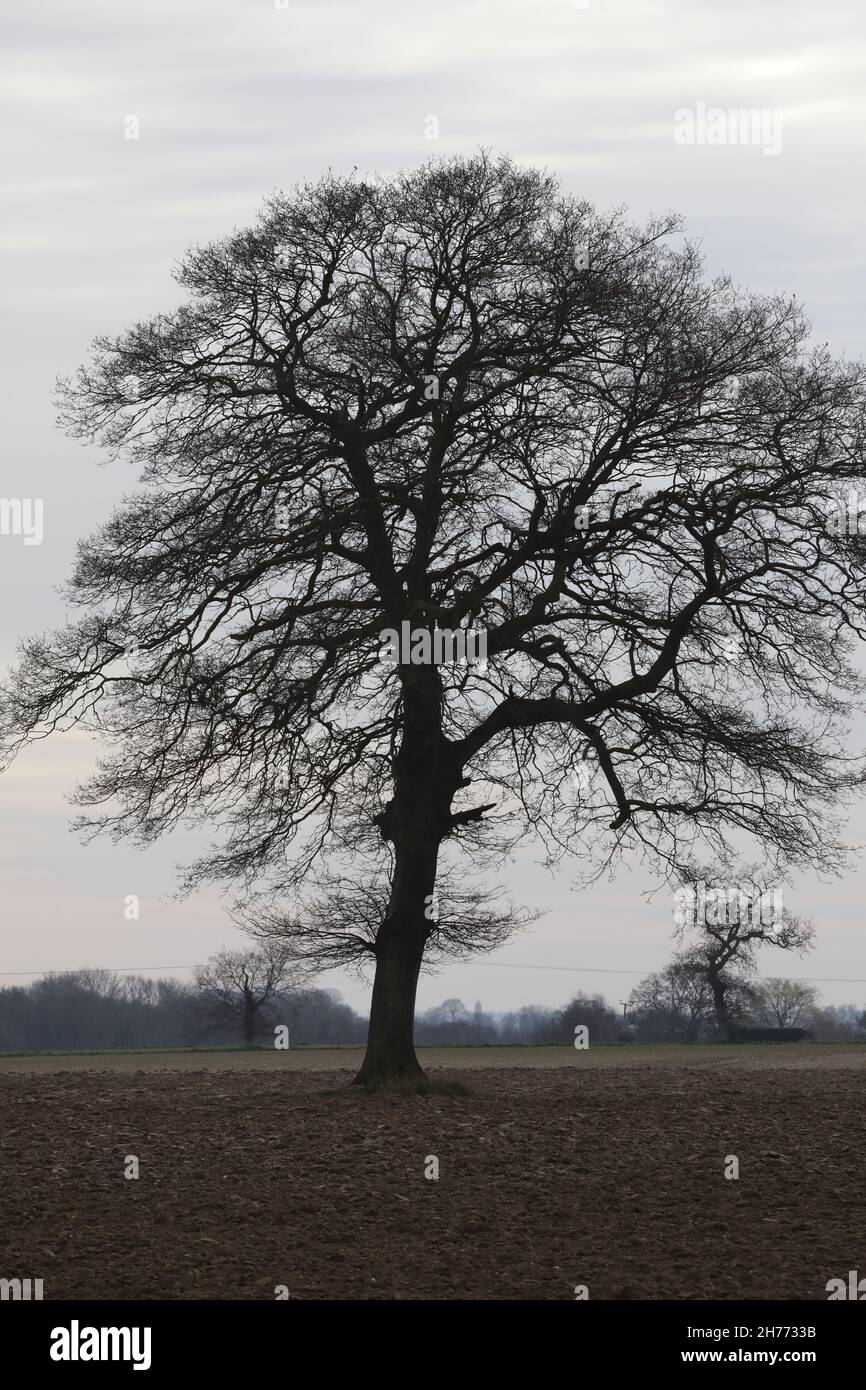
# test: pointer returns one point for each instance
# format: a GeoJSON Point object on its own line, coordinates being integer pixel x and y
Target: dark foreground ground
{"type": "Point", "coordinates": [597, 1173]}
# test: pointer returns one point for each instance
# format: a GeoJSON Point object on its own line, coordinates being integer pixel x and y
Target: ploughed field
{"type": "Point", "coordinates": [261, 1171]}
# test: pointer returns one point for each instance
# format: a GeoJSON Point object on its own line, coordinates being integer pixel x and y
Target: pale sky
{"type": "Point", "coordinates": [233, 98]}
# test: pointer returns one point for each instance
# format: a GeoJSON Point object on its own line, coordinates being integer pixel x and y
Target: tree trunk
{"type": "Point", "coordinates": [249, 1020]}
{"type": "Point", "coordinates": [720, 1003]}
{"type": "Point", "coordinates": [390, 1057]}
{"type": "Point", "coordinates": [415, 821]}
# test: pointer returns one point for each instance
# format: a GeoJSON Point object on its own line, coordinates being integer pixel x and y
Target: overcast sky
{"type": "Point", "coordinates": [230, 99]}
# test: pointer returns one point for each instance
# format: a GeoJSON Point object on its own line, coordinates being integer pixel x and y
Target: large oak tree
{"type": "Point", "coordinates": [455, 397]}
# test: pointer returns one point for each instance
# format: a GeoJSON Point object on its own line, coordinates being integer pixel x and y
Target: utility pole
{"type": "Point", "coordinates": [624, 1003]}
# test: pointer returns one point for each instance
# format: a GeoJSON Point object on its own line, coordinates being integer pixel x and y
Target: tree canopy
{"type": "Point", "coordinates": [460, 397]}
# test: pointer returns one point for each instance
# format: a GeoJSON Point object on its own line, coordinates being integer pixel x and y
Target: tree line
{"type": "Point", "coordinates": [238, 998]}
{"type": "Point", "coordinates": [84, 1009]}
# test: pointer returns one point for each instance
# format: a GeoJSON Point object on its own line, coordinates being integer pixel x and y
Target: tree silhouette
{"type": "Point", "coordinates": [781, 1003]}
{"type": "Point", "coordinates": [238, 989]}
{"type": "Point", "coordinates": [725, 916]}
{"type": "Point", "coordinates": [674, 1004]}
{"type": "Point", "coordinates": [457, 398]}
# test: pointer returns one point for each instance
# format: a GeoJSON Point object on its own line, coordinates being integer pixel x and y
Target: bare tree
{"type": "Point", "coordinates": [239, 988]}
{"type": "Point", "coordinates": [452, 1009]}
{"type": "Point", "coordinates": [782, 1003]}
{"type": "Point", "coordinates": [672, 1005]}
{"type": "Point", "coordinates": [726, 915]}
{"type": "Point", "coordinates": [454, 398]}
{"type": "Point", "coordinates": [593, 1013]}
{"type": "Point", "coordinates": [838, 1023]}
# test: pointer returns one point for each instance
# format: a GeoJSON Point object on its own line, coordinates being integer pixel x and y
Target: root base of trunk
{"type": "Point", "coordinates": [402, 1081]}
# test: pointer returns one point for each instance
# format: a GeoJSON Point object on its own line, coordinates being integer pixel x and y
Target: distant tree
{"type": "Point", "coordinates": [838, 1023]}
{"type": "Point", "coordinates": [782, 1003]}
{"type": "Point", "coordinates": [724, 916]}
{"type": "Point", "coordinates": [239, 988]}
{"type": "Point", "coordinates": [451, 1023]}
{"type": "Point", "coordinates": [79, 1008]}
{"type": "Point", "coordinates": [320, 1016]}
{"type": "Point", "coordinates": [16, 1020]}
{"type": "Point", "coordinates": [453, 1009]}
{"type": "Point", "coordinates": [673, 1005]}
{"type": "Point", "coordinates": [593, 1013]}
{"type": "Point", "coordinates": [530, 1024]}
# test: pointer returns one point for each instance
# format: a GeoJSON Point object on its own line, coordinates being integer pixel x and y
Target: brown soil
{"type": "Point", "coordinates": [608, 1176]}
{"type": "Point", "coordinates": [709, 1056]}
